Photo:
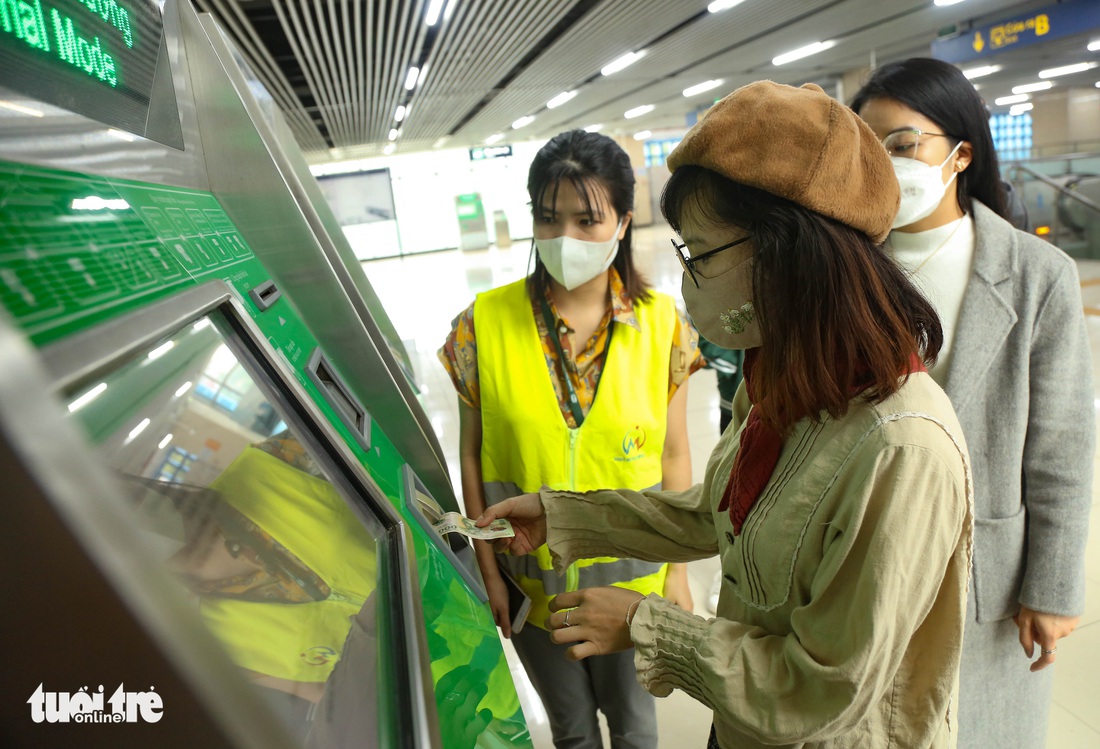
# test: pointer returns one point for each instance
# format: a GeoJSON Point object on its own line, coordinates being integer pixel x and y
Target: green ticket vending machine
{"type": "Point", "coordinates": [217, 499]}
{"type": "Point", "coordinates": [473, 233]}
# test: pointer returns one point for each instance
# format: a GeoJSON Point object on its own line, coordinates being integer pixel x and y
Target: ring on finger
{"type": "Point", "coordinates": [567, 613]}
{"type": "Point", "coordinates": [1049, 652]}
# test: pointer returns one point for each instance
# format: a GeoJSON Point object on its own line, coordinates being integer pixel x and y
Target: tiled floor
{"type": "Point", "coordinates": [423, 293]}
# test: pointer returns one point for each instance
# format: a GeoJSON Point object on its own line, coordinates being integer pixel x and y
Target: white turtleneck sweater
{"type": "Point", "coordinates": [939, 262]}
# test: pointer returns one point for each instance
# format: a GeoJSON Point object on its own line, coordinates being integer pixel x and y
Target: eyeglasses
{"type": "Point", "coordinates": [904, 143]}
{"type": "Point", "coordinates": [688, 263]}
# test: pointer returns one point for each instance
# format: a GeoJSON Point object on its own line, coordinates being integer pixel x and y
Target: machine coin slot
{"type": "Point", "coordinates": [425, 509]}
{"type": "Point", "coordinates": [332, 386]}
{"type": "Point", "coordinates": [265, 295]}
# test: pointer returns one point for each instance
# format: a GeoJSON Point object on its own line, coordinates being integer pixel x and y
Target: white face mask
{"type": "Point", "coordinates": [573, 262]}
{"type": "Point", "coordinates": [922, 188]}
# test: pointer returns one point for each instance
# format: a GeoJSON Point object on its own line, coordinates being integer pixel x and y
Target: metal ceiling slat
{"type": "Point", "coordinates": [324, 20]}
{"type": "Point", "coordinates": [265, 67]}
{"type": "Point", "coordinates": [337, 131]}
{"type": "Point", "coordinates": [350, 65]}
{"type": "Point", "coordinates": [363, 24]}
{"type": "Point", "coordinates": [410, 43]}
{"type": "Point", "coordinates": [307, 63]}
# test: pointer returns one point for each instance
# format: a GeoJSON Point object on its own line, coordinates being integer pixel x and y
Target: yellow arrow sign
{"type": "Point", "coordinates": [979, 43]}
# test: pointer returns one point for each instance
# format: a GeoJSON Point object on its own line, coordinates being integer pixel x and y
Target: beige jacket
{"type": "Point", "coordinates": [841, 616]}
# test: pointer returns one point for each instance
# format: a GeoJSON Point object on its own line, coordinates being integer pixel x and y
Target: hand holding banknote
{"type": "Point", "coordinates": [452, 522]}
{"type": "Point", "coordinates": [528, 523]}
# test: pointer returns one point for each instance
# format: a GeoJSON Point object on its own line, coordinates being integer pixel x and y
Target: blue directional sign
{"type": "Point", "coordinates": [1041, 25]}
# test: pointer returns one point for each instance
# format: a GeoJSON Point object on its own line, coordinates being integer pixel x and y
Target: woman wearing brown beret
{"type": "Point", "coordinates": [1016, 366]}
{"type": "Point", "coordinates": [839, 497]}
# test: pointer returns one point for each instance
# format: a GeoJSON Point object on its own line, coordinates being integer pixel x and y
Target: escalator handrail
{"type": "Point", "coordinates": [1061, 189]}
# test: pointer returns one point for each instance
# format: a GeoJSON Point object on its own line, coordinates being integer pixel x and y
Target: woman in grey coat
{"type": "Point", "coordinates": [1016, 366]}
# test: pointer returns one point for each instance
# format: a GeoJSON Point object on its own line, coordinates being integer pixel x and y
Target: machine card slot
{"type": "Point", "coordinates": [265, 295]}
{"type": "Point", "coordinates": [336, 392]}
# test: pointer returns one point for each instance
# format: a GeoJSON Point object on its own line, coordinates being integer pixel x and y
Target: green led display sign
{"type": "Point", "coordinates": [98, 58]}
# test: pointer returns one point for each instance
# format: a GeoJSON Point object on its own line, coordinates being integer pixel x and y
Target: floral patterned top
{"type": "Point", "coordinates": [583, 365]}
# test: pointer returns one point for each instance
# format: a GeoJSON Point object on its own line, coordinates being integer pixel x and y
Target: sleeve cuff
{"type": "Point", "coordinates": [666, 640]}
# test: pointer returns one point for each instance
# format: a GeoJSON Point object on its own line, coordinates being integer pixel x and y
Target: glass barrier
{"type": "Point", "coordinates": [243, 515]}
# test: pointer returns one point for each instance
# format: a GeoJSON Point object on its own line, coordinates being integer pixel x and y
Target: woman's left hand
{"type": "Point", "coordinates": [594, 619]}
{"type": "Point", "coordinates": [1045, 630]}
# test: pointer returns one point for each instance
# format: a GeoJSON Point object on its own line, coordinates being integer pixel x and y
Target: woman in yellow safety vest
{"type": "Point", "coordinates": [583, 321]}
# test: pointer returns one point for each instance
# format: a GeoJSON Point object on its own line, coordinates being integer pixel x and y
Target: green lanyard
{"type": "Point", "coordinates": [552, 329]}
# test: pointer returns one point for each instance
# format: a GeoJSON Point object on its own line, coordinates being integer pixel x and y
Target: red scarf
{"type": "Point", "coordinates": [759, 451]}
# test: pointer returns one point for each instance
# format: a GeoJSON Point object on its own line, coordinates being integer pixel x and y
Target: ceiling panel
{"type": "Point", "coordinates": [337, 68]}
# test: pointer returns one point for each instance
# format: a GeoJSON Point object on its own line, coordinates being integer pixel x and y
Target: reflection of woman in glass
{"type": "Point", "coordinates": [838, 499]}
{"type": "Point", "coordinates": [280, 564]}
{"type": "Point", "coordinates": [531, 415]}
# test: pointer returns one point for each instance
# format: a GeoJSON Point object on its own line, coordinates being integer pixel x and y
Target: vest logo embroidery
{"type": "Point", "coordinates": [318, 655]}
{"type": "Point", "coordinates": [633, 442]}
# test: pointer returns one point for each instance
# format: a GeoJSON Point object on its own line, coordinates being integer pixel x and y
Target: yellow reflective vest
{"type": "Point", "coordinates": [526, 443]}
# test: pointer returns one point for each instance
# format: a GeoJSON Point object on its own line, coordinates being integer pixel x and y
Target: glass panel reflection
{"type": "Point", "coordinates": [239, 511]}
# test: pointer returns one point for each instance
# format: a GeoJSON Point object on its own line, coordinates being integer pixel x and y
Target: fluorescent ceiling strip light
{"type": "Point", "coordinates": [20, 108]}
{"type": "Point", "coordinates": [121, 135]}
{"type": "Point", "coordinates": [494, 138]}
{"type": "Point", "coordinates": [942, 3]}
{"type": "Point", "coordinates": [638, 111]}
{"type": "Point", "coordinates": [720, 5]}
{"type": "Point", "coordinates": [399, 115]}
{"type": "Point", "coordinates": [1094, 46]}
{"type": "Point", "coordinates": [623, 62]}
{"type": "Point", "coordinates": [390, 148]}
{"type": "Point", "coordinates": [1030, 88]}
{"type": "Point", "coordinates": [160, 350]}
{"type": "Point", "coordinates": [164, 442]}
{"type": "Point", "coordinates": [560, 99]}
{"type": "Point", "coordinates": [594, 128]}
{"type": "Point", "coordinates": [450, 9]}
{"type": "Point", "coordinates": [981, 72]}
{"type": "Point", "coordinates": [441, 141]}
{"type": "Point", "coordinates": [523, 122]}
{"type": "Point", "coordinates": [434, 9]}
{"type": "Point", "coordinates": [183, 388]}
{"type": "Point", "coordinates": [411, 78]}
{"type": "Point", "coordinates": [1004, 101]}
{"type": "Point", "coordinates": [701, 87]}
{"type": "Point", "coordinates": [393, 133]}
{"type": "Point", "coordinates": [1080, 67]}
{"type": "Point", "coordinates": [136, 431]}
{"type": "Point", "coordinates": [88, 397]}
{"type": "Point", "coordinates": [1019, 109]}
{"type": "Point", "coordinates": [643, 135]}
{"type": "Point", "coordinates": [798, 54]}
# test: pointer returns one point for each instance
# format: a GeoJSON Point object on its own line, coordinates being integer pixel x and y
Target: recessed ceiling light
{"type": "Point", "coordinates": [560, 99]}
{"type": "Point", "coordinates": [434, 9]}
{"type": "Point", "coordinates": [638, 111]}
{"type": "Point", "coordinates": [701, 87]}
{"type": "Point", "coordinates": [623, 62]}
{"type": "Point", "coordinates": [798, 54]}
{"type": "Point", "coordinates": [1030, 88]}
{"type": "Point", "coordinates": [523, 122]}
{"type": "Point", "coordinates": [1080, 67]}
{"type": "Point", "coordinates": [982, 71]}
{"type": "Point", "coordinates": [393, 134]}
{"type": "Point", "coordinates": [1004, 101]}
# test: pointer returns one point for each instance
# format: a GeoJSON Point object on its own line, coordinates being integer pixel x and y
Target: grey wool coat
{"type": "Point", "coordinates": [1021, 384]}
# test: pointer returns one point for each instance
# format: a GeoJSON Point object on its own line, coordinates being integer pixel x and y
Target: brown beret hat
{"type": "Point", "coordinates": [800, 144]}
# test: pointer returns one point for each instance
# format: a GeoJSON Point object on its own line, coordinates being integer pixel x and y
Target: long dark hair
{"type": "Point", "coordinates": [940, 92]}
{"type": "Point", "coordinates": [586, 158]}
{"type": "Point", "coordinates": [836, 314]}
